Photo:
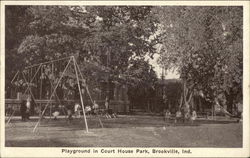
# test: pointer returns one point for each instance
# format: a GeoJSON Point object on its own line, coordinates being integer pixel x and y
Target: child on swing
{"type": "Point", "coordinates": [88, 110]}
{"type": "Point", "coordinates": [56, 112]}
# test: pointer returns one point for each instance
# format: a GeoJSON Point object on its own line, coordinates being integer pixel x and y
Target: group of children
{"type": "Point", "coordinates": [75, 110]}
{"type": "Point", "coordinates": [72, 109]}
{"type": "Point", "coordinates": [181, 116]}
{"type": "Point", "coordinates": [92, 110]}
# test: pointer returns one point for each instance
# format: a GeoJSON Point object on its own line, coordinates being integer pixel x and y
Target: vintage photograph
{"type": "Point", "coordinates": [123, 76]}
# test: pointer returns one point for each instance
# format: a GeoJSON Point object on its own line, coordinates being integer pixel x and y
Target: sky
{"type": "Point", "coordinates": [158, 69]}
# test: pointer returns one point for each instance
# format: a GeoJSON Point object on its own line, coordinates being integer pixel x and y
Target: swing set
{"type": "Point", "coordinates": [47, 83]}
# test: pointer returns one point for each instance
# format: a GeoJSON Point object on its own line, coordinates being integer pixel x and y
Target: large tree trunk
{"type": "Point", "coordinates": [200, 104]}
{"type": "Point", "coordinates": [187, 96]}
{"type": "Point", "coordinates": [148, 109]}
{"type": "Point", "coordinates": [230, 99]}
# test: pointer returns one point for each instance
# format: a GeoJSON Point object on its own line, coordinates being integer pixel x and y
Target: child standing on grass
{"type": "Point", "coordinates": [167, 115]}
{"type": "Point", "coordinates": [77, 110]}
{"type": "Point", "coordinates": [107, 115]}
{"type": "Point", "coordinates": [178, 116]}
{"type": "Point", "coordinates": [194, 116]}
{"type": "Point", "coordinates": [95, 108]}
{"type": "Point", "coordinates": [28, 105]}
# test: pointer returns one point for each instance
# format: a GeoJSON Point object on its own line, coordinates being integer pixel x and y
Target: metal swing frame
{"type": "Point", "coordinates": [77, 73]}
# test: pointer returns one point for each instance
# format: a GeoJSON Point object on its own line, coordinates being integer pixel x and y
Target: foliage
{"type": "Point", "coordinates": [89, 31]}
{"type": "Point", "coordinates": [104, 39]}
{"type": "Point", "coordinates": [172, 92]}
{"type": "Point", "coordinates": [15, 27]}
{"type": "Point", "coordinates": [142, 80]}
{"type": "Point", "coordinates": [205, 45]}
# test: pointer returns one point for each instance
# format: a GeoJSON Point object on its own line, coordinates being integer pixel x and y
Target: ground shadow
{"type": "Point", "coordinates": [38, 143]}
{"type": "Point", "coordinates": [93, 122]}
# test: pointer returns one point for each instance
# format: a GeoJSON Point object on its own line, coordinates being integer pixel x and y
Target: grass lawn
{"type": "Point", "coordinates": [125, 131]}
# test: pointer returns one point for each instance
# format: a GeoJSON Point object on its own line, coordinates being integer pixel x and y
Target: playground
{"type": "Point", "coordinates": [124, 131]}
{"type": "Point", "coordinates": [65, 114]}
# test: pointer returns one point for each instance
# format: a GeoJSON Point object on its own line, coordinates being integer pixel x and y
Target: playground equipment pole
{"type": "Point", "coordinates": [51, 61]}
{"type": "Point", "coordinates": [28, 88]}
{"type": "Point", "coordinates": [80, 92]}
{"type": "Point", "coordinates": [51, 96]}
{"type": "Point", "coordinates": [14, 77]}
{"type": "Point", "coordinates": [32, 78]}
{"type": "Point", "coordinates": [87, 89]}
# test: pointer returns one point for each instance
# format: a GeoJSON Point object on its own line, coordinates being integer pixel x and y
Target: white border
{"type": "Point", "coordinates": [196, 152]}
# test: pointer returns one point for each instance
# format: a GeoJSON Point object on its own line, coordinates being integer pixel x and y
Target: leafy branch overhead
{"type": "Point", "coordinates": [106, 36]}
{"type": "Point", "coordinates": [205, 45]}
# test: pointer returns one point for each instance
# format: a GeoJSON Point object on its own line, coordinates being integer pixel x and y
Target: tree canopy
{"type": "Point", "coordinates": [104, 38]}
{"type": "Point", "coordinates": [142, 80]}
{"type": "Point", "coordinates": [205, 45]}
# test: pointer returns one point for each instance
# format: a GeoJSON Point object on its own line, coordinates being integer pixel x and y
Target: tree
{"type": "Point", "coordinates": [172, 93]}
{"type": "Point", "coordinates": [202, 42]}
{"type": "Point", "coordinates": [142, 79]}
{"type": "Point", "coordinates": [103, 38]}
{"type": "Point", "coordinates": [15, 26]}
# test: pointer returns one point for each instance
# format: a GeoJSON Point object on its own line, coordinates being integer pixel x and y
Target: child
{"type": "Point", "coordinates": [107, 115]}
{"type": "Point", "coordinates": [106, 104]}
{"type": "Point", "coordinates": [194, 116]}
{"type": "Point", "coordinates": [23, 109]}
{"type": "Point", "coordinates": [95, 108]}
{"type": "Point", "coordinates": [77, 110]}
{"type": "Point", "coordinates": [88, 110]}
{"type": "Point", "coordinates": [186, 116]}
{"type": "Point", "coordinates": [167, 116]}
{"type": "Point", "coordinates": [56, 112]}
{"type": "Point", "coordinates": [178, 116]}
{"type": "Point", "coordinates": [28, 105]}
